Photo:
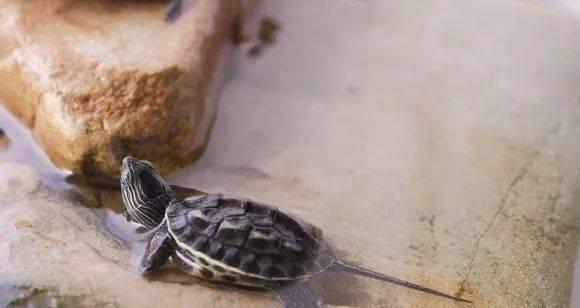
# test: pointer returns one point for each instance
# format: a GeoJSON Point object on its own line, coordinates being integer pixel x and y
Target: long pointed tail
{"type": "Point", "coordinates": [344, 266]}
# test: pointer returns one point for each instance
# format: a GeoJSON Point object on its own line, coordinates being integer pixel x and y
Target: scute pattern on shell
{"type": "Point", "coordinates": [255, 238]}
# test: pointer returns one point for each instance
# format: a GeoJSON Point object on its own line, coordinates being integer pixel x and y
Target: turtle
{"type": "Point", "coordinates": [233, 240]}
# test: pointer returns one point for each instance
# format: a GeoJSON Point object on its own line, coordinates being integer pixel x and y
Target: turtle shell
{"type": "Point", "coordinates": [246, 237]}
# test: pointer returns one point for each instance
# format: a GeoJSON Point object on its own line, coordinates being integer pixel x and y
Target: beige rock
{"type": "Point", "coordinates": [97, 80]}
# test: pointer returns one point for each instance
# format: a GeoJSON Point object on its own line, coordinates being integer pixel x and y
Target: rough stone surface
{"type": "Point", "coordinates": [437, 142]}
{"type": "Point", "coordinates": [97, 80]}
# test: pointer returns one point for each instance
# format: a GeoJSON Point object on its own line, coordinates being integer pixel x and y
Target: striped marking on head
{"type": "Point", "coordinates": [145, 193]}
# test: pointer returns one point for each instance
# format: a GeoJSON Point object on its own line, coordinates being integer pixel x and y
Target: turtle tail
{"type": "Point", "coordinates": [344, 266]}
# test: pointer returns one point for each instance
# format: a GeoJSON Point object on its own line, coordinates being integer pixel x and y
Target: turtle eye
{"type": "Point", "coordinates": [150, 185]}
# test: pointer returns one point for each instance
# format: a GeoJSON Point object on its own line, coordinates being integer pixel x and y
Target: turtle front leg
{"type": "Point", "coordinates": [157, 252]}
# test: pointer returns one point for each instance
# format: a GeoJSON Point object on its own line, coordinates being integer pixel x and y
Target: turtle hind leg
{"type": "Point", "coordinates": [157, 252]}
{"type": "Point", "coordinates": [295, 294]}
{"type": "Point", "coordinates": [173, 10]}
{"type": "Point", "coordinates": [344, 266]}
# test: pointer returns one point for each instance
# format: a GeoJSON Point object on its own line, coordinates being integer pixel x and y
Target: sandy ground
{"type": "Point", "coordinates": [432, 140]}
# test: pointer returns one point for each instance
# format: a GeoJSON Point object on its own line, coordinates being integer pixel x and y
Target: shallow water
{"type": "Point", "coordinates": [19, 146]}
{"type": "Point", "coordinates": [437, 153]}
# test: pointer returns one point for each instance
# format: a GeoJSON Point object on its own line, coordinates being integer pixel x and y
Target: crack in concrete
{"type": "Point", "coordinates": [521, 174]}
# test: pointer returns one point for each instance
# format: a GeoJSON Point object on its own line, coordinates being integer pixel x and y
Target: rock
{"type": "Point", "coordinates": [55, 251]}
{"type": "Point", "coordinates": [96, 80]}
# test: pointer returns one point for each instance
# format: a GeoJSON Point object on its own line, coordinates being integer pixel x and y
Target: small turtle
{"type": "Point", "coordinates": [233, 240]}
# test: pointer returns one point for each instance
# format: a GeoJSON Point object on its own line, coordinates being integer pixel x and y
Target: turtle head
{"type": "Point", "coordinates": [145, 193]}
